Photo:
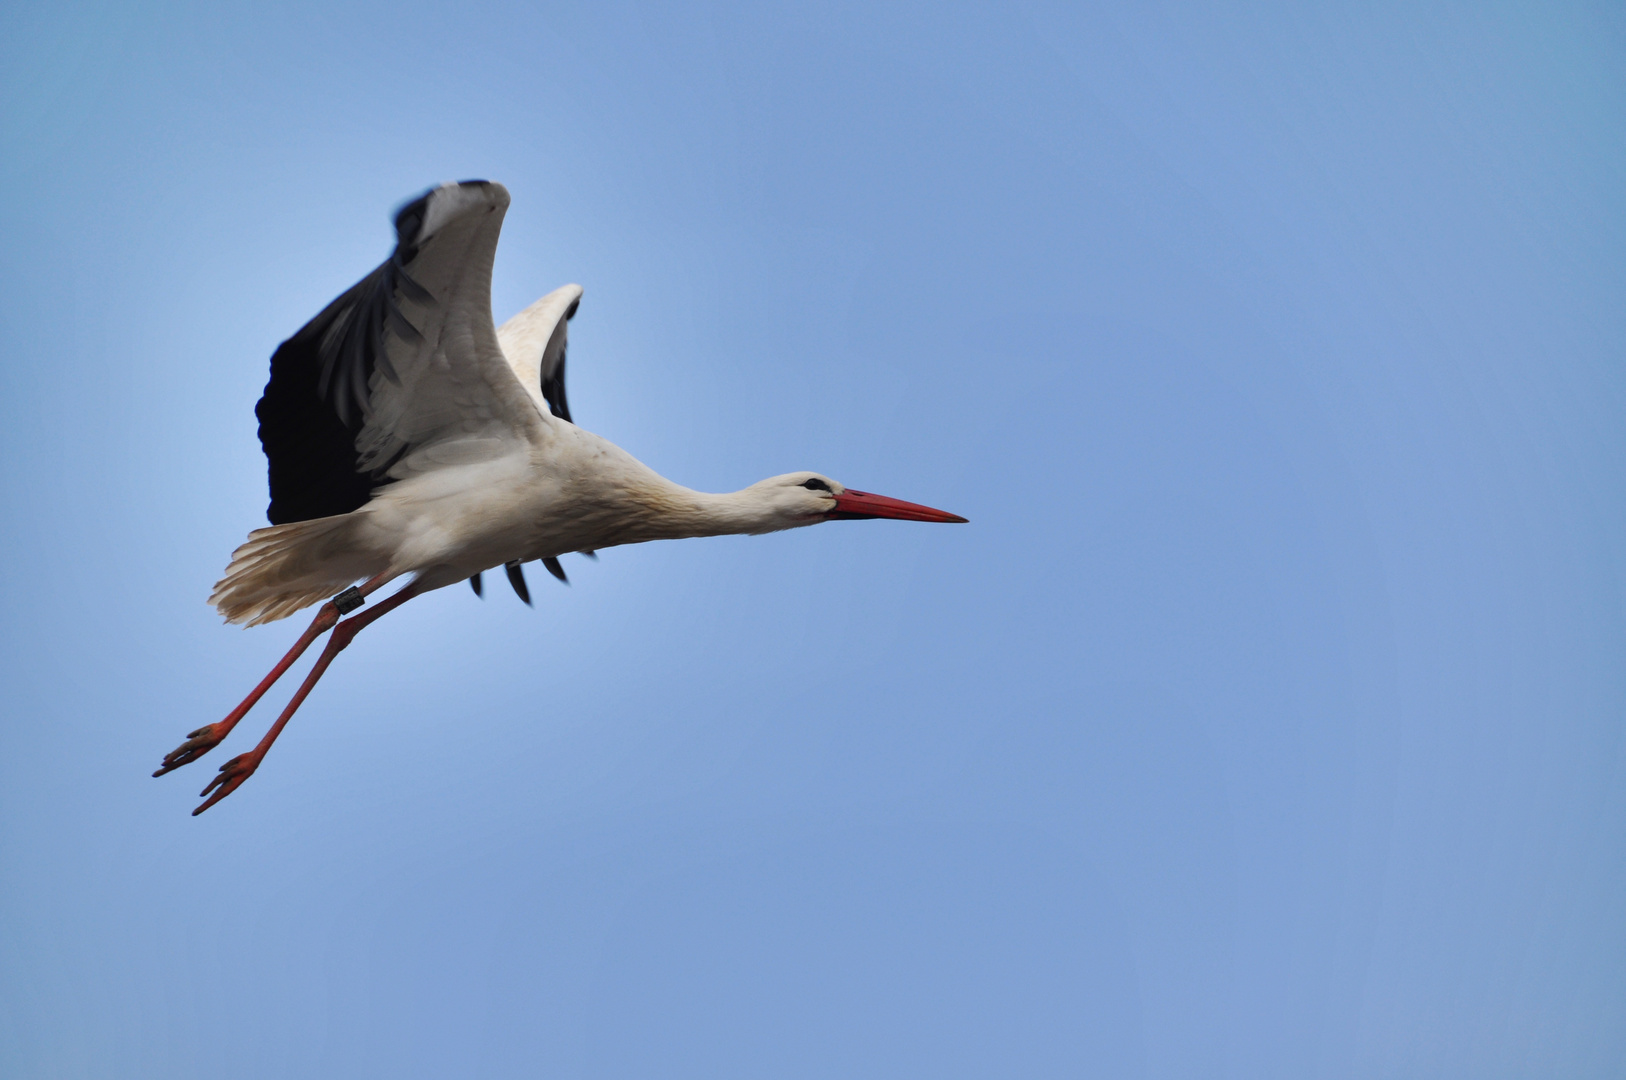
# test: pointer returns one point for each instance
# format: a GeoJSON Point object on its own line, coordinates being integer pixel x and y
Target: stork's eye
{"type": "Point", "coordinates": [815, 484]}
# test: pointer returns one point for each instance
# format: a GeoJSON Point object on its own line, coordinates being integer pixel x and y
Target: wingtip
{"type": "Point", "coordinates": [418, 219]}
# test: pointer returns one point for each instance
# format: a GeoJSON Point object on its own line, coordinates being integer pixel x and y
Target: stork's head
{"type": "Point", "coordinates": [807, 498]}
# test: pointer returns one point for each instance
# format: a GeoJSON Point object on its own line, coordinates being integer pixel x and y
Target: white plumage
{"type": "Point", "coordinates": [407, 435]}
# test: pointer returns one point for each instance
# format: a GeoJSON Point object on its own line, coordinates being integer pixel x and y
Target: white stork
{"type": "Point", "coordinates": [406, 434]}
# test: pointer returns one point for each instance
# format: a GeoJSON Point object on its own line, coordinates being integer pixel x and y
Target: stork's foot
{"type": "Point", "coordinates": [231, 776]}
{"type": "Point", "coordinates": [198, 743]}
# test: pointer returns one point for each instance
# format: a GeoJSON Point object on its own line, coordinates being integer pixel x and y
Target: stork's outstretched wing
{"type": "Point", "coordinates": [402, 365]}
{"type": "Point", "coordinates": [535, 340]}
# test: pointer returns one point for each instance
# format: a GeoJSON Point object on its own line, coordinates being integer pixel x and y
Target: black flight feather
{"type": "Point", "coordinates": [316, 402]}
{"type": "Point", "coordinates": [516, 578]}
{"type": "Point", "coordinates": [553, 383]}
{"type": "Point", "coordinates": [553, 390]}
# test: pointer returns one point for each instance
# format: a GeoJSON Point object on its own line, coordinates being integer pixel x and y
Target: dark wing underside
{"type": "Point", "coordinates": [319, 399]}
{"type": "Point", "coordinates": [553, 376]}
{"type": "Point", "coordinates": [308, 431]}
{"type": "Point", "coordinates": [553, 392]}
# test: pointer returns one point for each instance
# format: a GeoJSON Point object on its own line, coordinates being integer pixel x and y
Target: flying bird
{"type": "Point", "coordinates": [407, 435]}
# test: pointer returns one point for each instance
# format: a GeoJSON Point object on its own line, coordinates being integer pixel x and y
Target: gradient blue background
{"type": "Point", "coordinates": [1266, 721]}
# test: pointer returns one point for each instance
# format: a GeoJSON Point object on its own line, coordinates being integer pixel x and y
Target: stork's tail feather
{"type": "Point", "coordinates": [284, 568]}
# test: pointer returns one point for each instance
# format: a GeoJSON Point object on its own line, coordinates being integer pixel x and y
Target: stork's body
{"type": "Point", "coordinates": [576, 492]}
{"type": "Point", "coordinates": [406, 435]}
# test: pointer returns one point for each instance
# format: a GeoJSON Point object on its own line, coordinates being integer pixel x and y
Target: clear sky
{"type": "Point", "coordinates": [1266, 720]}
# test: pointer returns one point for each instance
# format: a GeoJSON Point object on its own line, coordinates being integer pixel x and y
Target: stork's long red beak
{"type": "Point", "coordinates": [852, 504]}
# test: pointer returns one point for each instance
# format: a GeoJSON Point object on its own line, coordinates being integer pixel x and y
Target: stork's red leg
{"type": "Point", "coordinates": [206, 738]}
{"type": "Point", "coordinates": [240, 768]}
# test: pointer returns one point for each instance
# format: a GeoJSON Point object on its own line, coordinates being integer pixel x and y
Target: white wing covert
{"type": "Point", "coordinates": [535, 342]}
{"type": "Point", "coordinates": [403, 371]}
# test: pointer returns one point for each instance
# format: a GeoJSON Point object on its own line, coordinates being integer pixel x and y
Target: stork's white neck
{"type": "Point", "coordinates": [676, 512]}
{"type": "Point", "coordinates": [608, 497]}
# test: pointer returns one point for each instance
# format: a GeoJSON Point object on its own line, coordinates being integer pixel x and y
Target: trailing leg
{"type": "Point", "coordinates": [206, 738]}
{"type": "Point", "coordinates": [240, 768]}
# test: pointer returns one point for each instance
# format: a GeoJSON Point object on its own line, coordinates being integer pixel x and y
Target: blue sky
{"type": "Point", "coordinates": [1266, 720]}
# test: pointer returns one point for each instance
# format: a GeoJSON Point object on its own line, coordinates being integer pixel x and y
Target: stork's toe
{"type": "Point", "coordinates": [198, 743]}
{"type": "Point", "coordinates": [231, 776]}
